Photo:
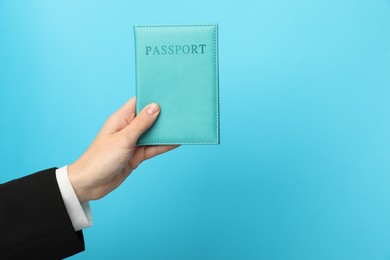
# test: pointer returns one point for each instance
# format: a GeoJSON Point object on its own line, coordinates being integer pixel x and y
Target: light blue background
{"type": "Point", "coordinates": [303, 168]}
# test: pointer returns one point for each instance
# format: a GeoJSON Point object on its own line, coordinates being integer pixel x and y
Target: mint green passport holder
{"type": "Point", "coordinates": [177, 67]}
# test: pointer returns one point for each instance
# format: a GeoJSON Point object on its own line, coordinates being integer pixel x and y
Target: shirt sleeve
{"type": "Point", "coordinates": [80, 214]}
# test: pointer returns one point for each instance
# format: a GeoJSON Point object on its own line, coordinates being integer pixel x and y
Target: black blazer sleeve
{"type": "Point", "coordinates": [34, 223]}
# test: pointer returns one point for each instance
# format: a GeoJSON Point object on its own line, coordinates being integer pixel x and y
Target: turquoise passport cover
{"type": "Point", "coordinates": [177, 67]}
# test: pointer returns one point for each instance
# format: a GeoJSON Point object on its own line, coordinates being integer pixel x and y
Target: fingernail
{"type": "Point", "coordinates": [152, 108]}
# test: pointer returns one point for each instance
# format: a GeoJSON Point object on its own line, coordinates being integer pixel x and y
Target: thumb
{"type": "Point", "coordinates": [142, 122]}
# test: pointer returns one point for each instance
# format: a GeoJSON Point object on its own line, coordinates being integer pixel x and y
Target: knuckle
{"type": "Point", "coordinates": [143, 121]}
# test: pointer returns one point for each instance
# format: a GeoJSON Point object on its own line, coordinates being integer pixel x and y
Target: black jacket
{"type": "Point", "coordinates": [34, 223]}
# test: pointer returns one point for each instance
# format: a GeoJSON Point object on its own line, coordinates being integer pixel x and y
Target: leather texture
{"type": "Point", "coordinates": [177, 67]}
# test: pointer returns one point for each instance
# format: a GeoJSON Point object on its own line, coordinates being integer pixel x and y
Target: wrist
{"type": "Point", "coordinates": [75, 175]}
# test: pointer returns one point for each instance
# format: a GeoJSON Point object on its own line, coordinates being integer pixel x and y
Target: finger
{"type": "Point", "coordinates": [121, 118]}
{"type": "Point", "coordinates": [151, 151]}
{"type": "Point", "coordinates": [142, 122]}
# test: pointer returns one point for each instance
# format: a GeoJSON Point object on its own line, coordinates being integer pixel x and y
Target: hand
{"type": "Point", "coordinates": [113, 155]}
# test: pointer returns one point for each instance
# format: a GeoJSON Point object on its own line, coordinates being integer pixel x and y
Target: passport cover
{"type": "Point", "coordinates": [177, 67]}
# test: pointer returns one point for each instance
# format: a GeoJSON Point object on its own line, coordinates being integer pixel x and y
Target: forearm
{"type": "Point", "coordinates": [34, 222]}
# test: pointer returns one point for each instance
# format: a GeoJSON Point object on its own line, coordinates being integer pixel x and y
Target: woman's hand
{"type": "Point", "coordinates": [113, 155]}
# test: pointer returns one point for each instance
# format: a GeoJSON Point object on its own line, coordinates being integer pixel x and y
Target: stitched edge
{"type": "Point", "coordinates": [164, 143]}
{"type": "Point", "coordinates": [176, 25]}
{"type": "Point", "coordinates": [216, 73]}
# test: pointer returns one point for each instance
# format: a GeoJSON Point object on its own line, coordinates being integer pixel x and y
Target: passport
{"type": "Point", "coordinates": [177, 67]}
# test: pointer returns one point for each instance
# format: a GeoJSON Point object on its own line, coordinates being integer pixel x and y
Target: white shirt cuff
{"type": "Point", "coordinates": [80, 214]}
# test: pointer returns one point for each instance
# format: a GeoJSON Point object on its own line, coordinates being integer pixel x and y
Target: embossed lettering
{"type": "Point", "coordinates": [170, 49]}
{"type": "Point", "coordinates": [177, 49]}
{"type": "Point", "coordinates": [193, 48]}
{"type": "Point", "coordinates": [156, 51]}
{"type": "Point", "coordinates": [186, 49]}
{"type": "Point", "coordinates": [148, 49]}
{"type": "Point", "coordinates": [163, 50]}
{"type": "Point", "coordinates": [202, 46]}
